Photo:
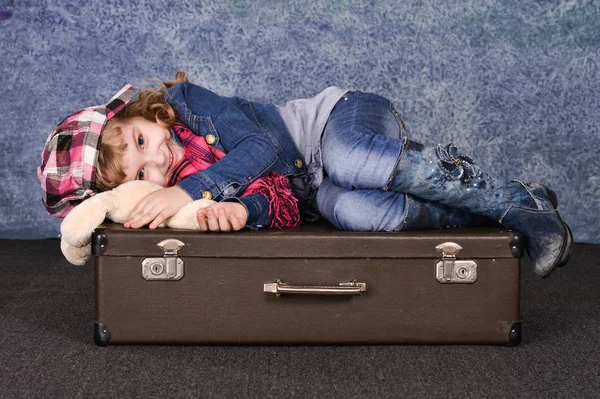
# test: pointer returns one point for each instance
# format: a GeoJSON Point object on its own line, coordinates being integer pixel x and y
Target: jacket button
{"type": "Point", "coordinates": [206, 195]}
{"type": "Point", "coordinates": [298, 163]}
{"type": "Point", "coordinates": [210, 139]}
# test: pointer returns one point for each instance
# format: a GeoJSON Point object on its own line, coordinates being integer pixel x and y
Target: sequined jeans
{"type": "Point", "coordinates": [361, 144]}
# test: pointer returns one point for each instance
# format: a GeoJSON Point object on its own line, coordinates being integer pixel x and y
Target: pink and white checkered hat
{"type": "Point", "coordinates": [70, 156]}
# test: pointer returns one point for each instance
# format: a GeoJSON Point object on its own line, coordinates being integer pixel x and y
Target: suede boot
{"type": "Point", "coordinates": [444, 175]}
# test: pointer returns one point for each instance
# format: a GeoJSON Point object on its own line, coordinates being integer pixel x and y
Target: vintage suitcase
{"type": "Point", "coordinates": [307, 285]}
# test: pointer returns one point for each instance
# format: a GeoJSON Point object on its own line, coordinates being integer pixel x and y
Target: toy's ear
{"type": "Point", "coordinates": [77, 227]}
{"type": "Point", "coordinates": [76, 256]}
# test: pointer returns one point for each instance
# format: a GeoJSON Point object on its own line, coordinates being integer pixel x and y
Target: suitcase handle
{"type": "Point", "coordinates": [349, 288]}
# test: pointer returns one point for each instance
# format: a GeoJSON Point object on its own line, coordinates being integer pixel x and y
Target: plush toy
{"type": "Point", "coordinates": [116, 205]}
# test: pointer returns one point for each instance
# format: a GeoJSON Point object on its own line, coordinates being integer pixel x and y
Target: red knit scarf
{"type": "Point", "coordinates": [283, 205]}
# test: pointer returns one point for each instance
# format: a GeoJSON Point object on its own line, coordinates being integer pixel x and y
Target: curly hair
{"type": "Point", "coordinates": [149, 104]}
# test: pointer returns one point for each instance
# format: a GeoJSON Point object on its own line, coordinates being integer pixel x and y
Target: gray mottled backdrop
{"type": "Point", "coordinates": [515, 83]}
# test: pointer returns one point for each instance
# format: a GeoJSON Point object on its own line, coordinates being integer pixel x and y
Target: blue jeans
{"type": "Point", "coordinates": [361, 145]}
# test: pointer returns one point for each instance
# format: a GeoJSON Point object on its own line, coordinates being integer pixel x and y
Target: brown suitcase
{"type": "Point", "coordinates": [307, 285]}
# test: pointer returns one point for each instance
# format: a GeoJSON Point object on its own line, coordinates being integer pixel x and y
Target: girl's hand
{"type": "Point", "coordinates": [157, 206]}
{"type": "Point", "coordinates": [222, 216]}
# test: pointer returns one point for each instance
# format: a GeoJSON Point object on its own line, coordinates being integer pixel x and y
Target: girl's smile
{"type": "Point", "coordinates": [151, 153]}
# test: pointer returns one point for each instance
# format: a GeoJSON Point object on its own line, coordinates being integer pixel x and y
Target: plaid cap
{"type": "Point", "coordinates": [70, 156]}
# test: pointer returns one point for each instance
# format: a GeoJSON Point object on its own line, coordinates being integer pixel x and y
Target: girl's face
{"type": "Point", "coordinates": [151, 153]}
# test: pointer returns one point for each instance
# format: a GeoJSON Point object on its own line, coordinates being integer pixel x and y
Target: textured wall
{"type": "Point", "coordinates": [515, 83]}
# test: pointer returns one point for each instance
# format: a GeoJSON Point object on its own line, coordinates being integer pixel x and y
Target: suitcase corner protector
{"type": "Point", "coordinates": [99, 241]}
{"type": "Point", "coordinates": [514, 334]}
{"type": "Point", "coordinates": [101, 334]}
{"type": "Point", "coordinates": [517, 245]}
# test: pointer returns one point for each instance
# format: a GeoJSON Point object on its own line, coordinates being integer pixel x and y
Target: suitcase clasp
{"type": "Point", "coordinates": [450, 270]}
{"type": "Point", "coordinates": [169, 267]}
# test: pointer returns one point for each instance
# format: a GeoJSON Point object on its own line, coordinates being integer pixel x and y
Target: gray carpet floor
{"type": "Point", "coordinates": [47, 347]}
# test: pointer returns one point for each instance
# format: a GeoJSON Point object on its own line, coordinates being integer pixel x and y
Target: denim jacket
{"type": "Point", "coordinates": [255, 139]}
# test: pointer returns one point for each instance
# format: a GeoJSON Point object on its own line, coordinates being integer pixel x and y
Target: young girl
{"type": "Point", "coordinates": [342, 151]}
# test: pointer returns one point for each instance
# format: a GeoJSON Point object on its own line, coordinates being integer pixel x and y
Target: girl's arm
{"type": "Point", "coordinates": [250, 153]}
{"type": "Point", "coordinates": [257, 206]}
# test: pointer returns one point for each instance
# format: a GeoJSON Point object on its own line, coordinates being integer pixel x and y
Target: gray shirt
{"type": "Point", "coordinates": [305, 119]}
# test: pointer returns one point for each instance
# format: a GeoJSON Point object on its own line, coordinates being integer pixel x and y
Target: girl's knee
{"type": "Point", "coordinates": [338, 208]}
{"type": "Point", "coordinates": [360, 210]}
{"type": "Point", "coordinates": [360, 155]}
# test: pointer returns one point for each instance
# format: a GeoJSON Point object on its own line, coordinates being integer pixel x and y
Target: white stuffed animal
{"type": "Point", "coordinates": [116, 205]}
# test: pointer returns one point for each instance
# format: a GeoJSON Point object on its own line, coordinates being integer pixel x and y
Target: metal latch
{"type": "Point", "coordinates": [450, 270]}
{"type": "Point", "coordinates": [169, 267]}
